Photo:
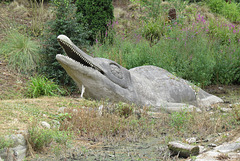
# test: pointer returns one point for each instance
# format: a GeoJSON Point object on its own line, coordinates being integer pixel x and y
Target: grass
{"type": "Point", "coordinates": [21, 52]}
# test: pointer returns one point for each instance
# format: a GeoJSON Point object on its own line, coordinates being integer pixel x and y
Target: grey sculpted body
{"type": "Point", "coordinates": [144, 86]}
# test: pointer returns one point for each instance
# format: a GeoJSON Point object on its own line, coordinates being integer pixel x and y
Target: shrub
{"type": "Point", "coordinates": [41, 86]}
{"type": "Point", "coordinates": [64, 23]}
{"type": "Point", "coordinates": [22, 53]}
{"type": "Point", "coordinates": [96, 14]}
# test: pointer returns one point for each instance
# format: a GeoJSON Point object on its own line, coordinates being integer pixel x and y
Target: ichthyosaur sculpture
{"type": "Point", "coordinates": [145, 85]}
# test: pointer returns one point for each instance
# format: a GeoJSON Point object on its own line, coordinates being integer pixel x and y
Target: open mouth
{"type": "Point", "coordinates": [74, 53]}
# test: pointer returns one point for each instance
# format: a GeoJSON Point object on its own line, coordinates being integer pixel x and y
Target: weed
{"type": "Point", "coordinates": [38, 17]}
{"type": "Point", "coordinates": [41, 86]}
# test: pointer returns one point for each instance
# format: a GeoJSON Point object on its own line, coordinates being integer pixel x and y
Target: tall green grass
{"type": "Point", "coordinates": [21, 52]}
{"type": "Point", "coordinates": [41, 86]}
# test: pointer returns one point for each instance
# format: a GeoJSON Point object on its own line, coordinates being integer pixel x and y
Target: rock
{"type": "Point", "coordinates": [19, 150]}
{"type": "Point", "coordinates": [45, 124]}
{"type": "Point", "coordinates": [182, 149]}
{"type": "Point", "coordinates": [229, 147]}
{"type": "Point", "coordinates": [202, 149]}
{"type": "Point", "coordinates": [227, 151]}
{"type": "Point", "coordinates": [212, 145]}
{"type": "Point", "coordinates": [210, 155]}
{"type": "Point", "coordinates": [191, 140]}
{"type": "Point", "coordinates": [222, 109]}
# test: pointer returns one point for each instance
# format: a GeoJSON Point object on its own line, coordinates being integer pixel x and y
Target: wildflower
{"type": "Point", "coordinates": [234, 31]}
{"type": "Point", "coordinates": [96, 40]}
{"type": "Point", "coordinates": [106, 33]}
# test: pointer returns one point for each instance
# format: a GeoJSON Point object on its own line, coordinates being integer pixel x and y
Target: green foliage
{"type": "Point", "coordinates": [97, 15]}
{"type": "Point", "coordinates": [5, 142]}
{"type": "Point", "coordinates": [21, 52]}
{"type": "Point", "coordinates": [216, 5]}
{"type": "Point", "coordinates": [228, 10]}
{"type": "Point", "coordinates": [191, 53]}
{"type": "Point", "coordinates": [41, 86]}
{"type": "Point", "coordinates": [40, 138]}
{"type": "Point", "coordinates": [64, 23]}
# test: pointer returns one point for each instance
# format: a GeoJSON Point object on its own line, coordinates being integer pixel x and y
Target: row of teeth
{"type": "Point", "coordinates": [84, 59]}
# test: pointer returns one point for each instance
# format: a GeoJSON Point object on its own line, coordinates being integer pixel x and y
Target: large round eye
{"type": "Point", "coordinates": [116, 71]}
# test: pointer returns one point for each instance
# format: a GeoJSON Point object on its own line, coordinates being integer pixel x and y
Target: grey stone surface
{"type": "Point", "coordinates": [145, 86]}
{"type": "Point", "coordinates": [18, 151]}
{"type": "Point", "coordinates": [191, 140]}
{"type": "Point", "coordinates": [228, 147]}
{"type": "Point", "coordinates": [226, 151]}
{"type": "Point", "coordinates": [45, 125]}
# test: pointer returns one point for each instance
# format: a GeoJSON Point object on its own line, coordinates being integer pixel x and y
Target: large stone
{"type": "Point", "coordinates": [182, 149]}
{"type": "Point", "coordinates": [18, 150]}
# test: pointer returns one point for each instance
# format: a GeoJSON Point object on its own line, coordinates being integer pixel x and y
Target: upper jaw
{"type": "Point", "coordinates": [77, 54]}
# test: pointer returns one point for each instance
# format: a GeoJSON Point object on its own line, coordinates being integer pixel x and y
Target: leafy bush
{"type": "Point", "coordinates": [64, 23]}
{"type": "Point", "coordinates": [41, 86]}
{"type": "Point", "coordinates": [22, 53]}
{"type": "Point", "coordinates": [97, 14]}
{"type": "Point", "coordinates": [216, 5]}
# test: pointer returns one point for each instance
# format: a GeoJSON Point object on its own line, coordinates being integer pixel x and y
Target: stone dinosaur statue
{"type": "Point", "coordinates": [145, 85]}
